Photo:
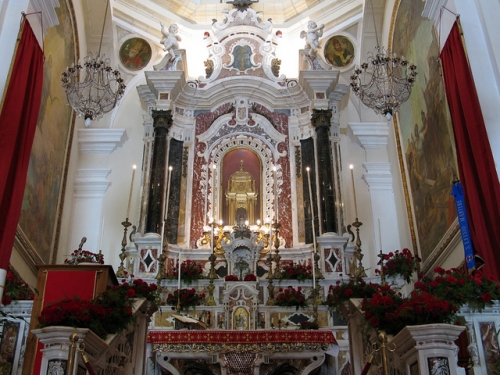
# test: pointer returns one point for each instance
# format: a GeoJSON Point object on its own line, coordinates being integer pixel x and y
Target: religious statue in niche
{"type": "Point", "coordinates": [241, 197]}
{"type": "Point", "coordinates": [240, 322]}
{"type": "Point", "coordinates": [339, 51]}
{"type": "Point", "coordinates": [170, 39]}
{"type": "Point", "coordinates": [312, 35]}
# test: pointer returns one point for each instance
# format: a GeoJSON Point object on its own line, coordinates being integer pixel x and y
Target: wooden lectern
{"type": "Point", "coordinates": [57, 282]}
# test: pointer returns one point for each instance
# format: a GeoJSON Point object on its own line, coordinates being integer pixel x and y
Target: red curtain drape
{"type": "Point", "coordinates": [18, 120]}
{"type": "Point", "coordinates": [475, 160]}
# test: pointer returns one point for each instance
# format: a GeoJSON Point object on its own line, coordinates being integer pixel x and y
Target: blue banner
{"type": "Point", "coordinates": [458, 192]}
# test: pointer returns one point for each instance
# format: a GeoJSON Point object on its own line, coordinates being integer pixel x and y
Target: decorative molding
{"type": "Point", "coordinates": [368, 135]}
{"type": "Point", "coordinates": [378, 176]}
{"type": "Point", "coordinates": [100, 141]}
{"type": "Point", "coordinates": [91, 183]}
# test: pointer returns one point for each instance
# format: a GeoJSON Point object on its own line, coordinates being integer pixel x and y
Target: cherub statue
{"type": "Point", "coordinates": [171, 39]}
{"type": "Point", "coordinates": [312, 35]}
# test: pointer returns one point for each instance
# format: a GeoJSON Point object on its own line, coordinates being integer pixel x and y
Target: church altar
{"type": "Point", "coordinates": [261, 341]}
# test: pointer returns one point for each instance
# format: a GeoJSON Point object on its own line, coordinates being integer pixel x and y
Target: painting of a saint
{"type": "Point", "coordinates": [427, 139]}
{"type": "Point", "coordinates": [135, 53]}
{"type": "Point", "coordinates": [339, 51]}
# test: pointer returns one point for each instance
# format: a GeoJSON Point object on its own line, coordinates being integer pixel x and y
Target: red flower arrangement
{"type": "Point", "coordinates": [461, 288]}
{"type": "Point", "coordinates": [296, 271]}
{"type": "Point", "coordinates": [190, 271]}
{"type": "Point", "coordinates": [184, 299]}
{"type": "Point", "coordinates": [84, 256]}
{"type": "Point", "coordinates": [400, 263]}
{"type": "Point", "coordinates": [356, 287]}
{"type": "Point", "coordinates": [291, 297]}
{"type": "Point", "coordinates": [231, 278]}
{"type": "Point", "coordinates": [109, 313]}
{"type": "Point", "coordinates": [250, 277]}
{"type": "Point", "coordinates": [15, 289]}
{"type": "Point", "coordinates": [433, 300]}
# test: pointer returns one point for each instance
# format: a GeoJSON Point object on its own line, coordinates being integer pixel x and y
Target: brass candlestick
{"type": "Point", "coordinates": [121, 269]}
{"type": "Point", "coordinates": [270, 287]}
{"type": "Point", "coordinates": [360, 271]}
{"type": "Point", "coordinates": [317, 269]}
{"type": "Point", "coordinates": [212, 275]}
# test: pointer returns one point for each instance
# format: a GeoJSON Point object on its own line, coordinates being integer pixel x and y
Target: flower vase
{"type": "Point", "coordinates": [428, 349]}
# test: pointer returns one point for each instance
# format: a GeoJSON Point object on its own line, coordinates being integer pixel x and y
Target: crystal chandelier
{"type": "Point", "coordinates": [386, 81]}
{"type": "Point", "coordinates": [99, 91]}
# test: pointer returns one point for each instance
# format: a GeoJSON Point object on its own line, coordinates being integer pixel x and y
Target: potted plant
{"type": "Point", "coordinates": [15, 290]}
{"type": "Point", "coordinates": [399, 263]}
{"type": "Point", "coordinates": [291, 297]}
{"type": "Point", "coordinates": [183, 299]}
{"type": "Point", "coordinates": [342, 291]}
{"type": "Point", "coordinates": [296, 271]}
{"type": "Point", "coordinates": [190, 271]}
{"type": "Point", "coordinates": [108, 313]}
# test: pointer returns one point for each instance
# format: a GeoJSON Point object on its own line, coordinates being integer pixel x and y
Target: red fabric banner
{"type": "Point", "coordinates": [241, 337]}
{"type": "Point", "coordinates": [475, 160]}
{"type": "Point", "coordinates": [18, 120]}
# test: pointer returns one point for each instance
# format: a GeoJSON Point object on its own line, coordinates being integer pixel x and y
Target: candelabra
{"type": "Point", "coordinates": [121, 269]}
{"type": "Point", "coordinates": [280, 325]}
{"type": "Point", "coordinates": [360, 272]}
{"type": "Point", "coordinates": [212, 275]}
{"type": "Point", "coordinates": [262, 235]}
{"type": "Point", "coordinates": [382, 272]}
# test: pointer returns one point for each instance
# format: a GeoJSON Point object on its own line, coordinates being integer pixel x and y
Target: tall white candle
{"type": "Point", "coordinates": [312, 210]}
{"type": "Point", "coordinates": [314, 269]}
{"type": "Point", "coordinates": [213, 191]}
{"type": "Point", "coordinates": [354, 191]}
{"type": "Point", "coordinates": [275, 193]}
{"type": "Point", "coordinates": [102, 234]}
{"type": "Point", "coordinates": [131, 189]}
{"type": "Point", "coordinates": [205, 208]}
{"type": "Point", "coordinates": [179, 273]}
{"type": "Point", "coordinates": [380, 234]}
{"type": "Point", "coordinates": [168, 192]}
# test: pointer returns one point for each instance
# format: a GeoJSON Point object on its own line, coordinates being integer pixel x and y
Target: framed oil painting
{"type": "Point", "coordinates": [135, 53]}
{"type": "Point", "coordinates": [38, 229]}
{"type": "Point", "coordinates": [339, 51]}
{"type": "Point", "coordinates": [426, 142]}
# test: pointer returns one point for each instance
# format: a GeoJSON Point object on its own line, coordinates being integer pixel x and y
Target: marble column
{"type": "Point", "coordinates": [321, 121]}
{"type": "Point", "coordinates": [162, 121]}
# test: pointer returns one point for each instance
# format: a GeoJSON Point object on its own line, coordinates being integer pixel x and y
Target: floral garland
{"type": "Point", "coordinates": [231, 278]}
{"type": "Point", "coordinates": [84, 256]}
{"type": "Point", "coordinates": [250, 277]}
{"type": "Point", "coordinates": [109, 313]}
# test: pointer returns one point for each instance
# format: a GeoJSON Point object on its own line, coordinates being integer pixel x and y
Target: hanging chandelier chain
{"type": "Point", "coordinates": [391, 79]}
{"type": "Point", "coordinates": [103, 24]}
{"type": "Point", "coordinates": [375, 25]}
{"type": "Point", "coordinates": [101, 87]}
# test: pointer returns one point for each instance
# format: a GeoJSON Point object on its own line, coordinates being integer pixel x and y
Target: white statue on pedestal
{"type": "Point", "coordinates": [312, 35]}
{"type": "Point", "coordinates": [170, 39]}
